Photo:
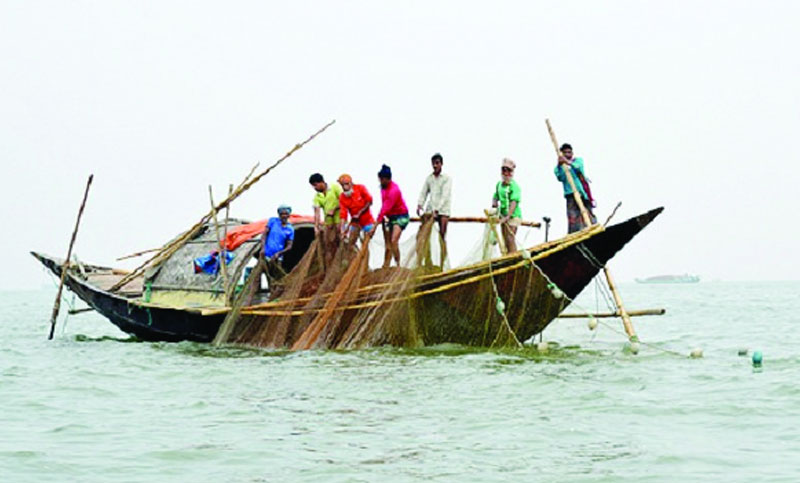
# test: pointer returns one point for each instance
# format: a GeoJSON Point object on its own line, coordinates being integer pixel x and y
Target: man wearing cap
{"type": "Point", "coordinates": [326, 214]}
{"type": "Point", "coordinates": [393, 216]}
{"type": "Point", "coordinates": [278, 235]}
{"type": "Point", "coordinates": [507, 197]}
{"type": "Point", "coordinates": [354, 201]}
{"type": "Point", "coordinates": [574, 218]}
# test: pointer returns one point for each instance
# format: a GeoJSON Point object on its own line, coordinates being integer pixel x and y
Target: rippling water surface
{"type": "Point", "coordinates": [93, 405]}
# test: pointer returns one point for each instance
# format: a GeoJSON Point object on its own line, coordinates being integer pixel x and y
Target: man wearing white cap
{"type": "Point", "coordinates": [506, 198]}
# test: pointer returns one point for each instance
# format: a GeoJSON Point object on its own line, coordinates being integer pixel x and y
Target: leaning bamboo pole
{"type": "Point", "coordinates": [222, 263]}
{"type": "Point", "coordinates": [244, 297]}
{"type": "Point", "coordinates": [138, 254]}
{"type": "Point", "coordinates": [623, 314]}
{"type": "Point", "coordinates": [584, 214]}
{"type": "Point", "coordinates": [170, 248]}
{"type": "Point", "coordinates": [65, 265]}
{"type": "Point", "coordinates": [626, 320]}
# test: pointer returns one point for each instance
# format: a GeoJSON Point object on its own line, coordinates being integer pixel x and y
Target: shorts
{"type": "Point", "coordinates": [365, 228]}
{"type": "Point", "coordinates": [514, 221]}
{"type": "Point", "coordinates": [396, 220]}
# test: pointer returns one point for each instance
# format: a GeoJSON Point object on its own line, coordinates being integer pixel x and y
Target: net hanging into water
{"type": "Point", "coordinates": [497, 302]}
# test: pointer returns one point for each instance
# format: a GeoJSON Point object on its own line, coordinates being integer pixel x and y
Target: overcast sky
{"type": "Point", "coordinates": [689, 105]}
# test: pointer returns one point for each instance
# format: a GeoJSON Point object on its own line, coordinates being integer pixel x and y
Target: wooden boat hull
{"type": "Point", "coordinates": [447, 304]}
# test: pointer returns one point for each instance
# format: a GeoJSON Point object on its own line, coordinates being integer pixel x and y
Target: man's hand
{"type": "Point", "coordinates": [504, 219]}
{"type": "Point", "coordinates": [562, 160]}
{"type": "Point", "coordinates": [316, 230]}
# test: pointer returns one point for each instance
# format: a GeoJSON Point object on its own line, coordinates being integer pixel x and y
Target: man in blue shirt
{"type": "Point", "coordinates": [278, 235]}
{"type": "Point", "coordinates": [566, 161]}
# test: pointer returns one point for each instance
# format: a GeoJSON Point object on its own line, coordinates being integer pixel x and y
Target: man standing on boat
{"type": "Point", "coordinates": [507, 196]}
{"type": "Point", "coordinates": [326, 215]}
{"type": "Point", "coordinates": [354, 201]}
{"type": "Point", "coordinates": [437, 192]}
{"type": "Point", "coordinates": [277, 239]}
{"type": "Point", "coordinates": [567, 160]}
{"type": "Point", "coordinates": [393, 216]}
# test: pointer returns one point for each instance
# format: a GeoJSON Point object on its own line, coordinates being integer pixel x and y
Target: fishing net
{"type": "Point", "coordinates": [490, 300]}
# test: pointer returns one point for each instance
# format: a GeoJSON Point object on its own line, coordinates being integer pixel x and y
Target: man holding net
{"type": "Point", "coordinates": [393, 216]}
{"type": "Point", "coordinates": [326, 215]}
{"type": "Point", "coordinates": [437, 192]}
{"type": "Point", "coordinates": [354, 201]}
{"type": "Point", "coordinates": [277, 239]}
{"type": "Point", "coordinates": [508, 195]}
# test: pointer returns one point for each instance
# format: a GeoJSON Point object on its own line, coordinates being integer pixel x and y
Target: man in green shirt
{"type": "Point", "coordinates": [326, 215]}
{"type": "Point", "coordinates": [507, 197]}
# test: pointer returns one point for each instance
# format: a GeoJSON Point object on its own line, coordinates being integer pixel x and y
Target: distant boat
{"type": "Point", "coordinates": [685, 278]}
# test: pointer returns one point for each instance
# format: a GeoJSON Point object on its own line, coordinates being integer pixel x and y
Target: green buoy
{"type": "Point", "coordinates": [758, 358]}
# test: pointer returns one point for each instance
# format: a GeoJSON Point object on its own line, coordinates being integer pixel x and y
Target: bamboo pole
{"type": "Point", "coordinates": [225, 230]}
{"type": "Point", "coordinates": [65, 266]}
{"type": "Point", "coordinates": [609, 315]}
{"type": "Point", "coordinates": [170, 248]}
{"type": "Point", "coordinates": [138, 254]}
{"type": "Point", "coordinates": [623, 314]}
{"type": "Point", "coordinates": [567, 172]}
{"type": "Point", "coordinates": [478, 219]}
{"type": "Point", "coordinates": [244, 297]}
{"type": "Point", "coordinates": [222, 264]}
{"type": "Point", "coordinates": [626, 320]}
{"type": "Point", "coordinates": [227, 215]}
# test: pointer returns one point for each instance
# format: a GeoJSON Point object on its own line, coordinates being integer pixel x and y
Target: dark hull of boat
{"type": "Point", "coordinates": [570, 268]}
{"type": "Point", "coordinates": [146, 323]}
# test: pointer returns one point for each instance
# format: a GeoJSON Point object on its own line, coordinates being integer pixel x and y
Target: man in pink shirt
{"type": "Point", "coordinates": [393, 216]}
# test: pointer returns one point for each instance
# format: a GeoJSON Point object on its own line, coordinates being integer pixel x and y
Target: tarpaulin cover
{"type": "Point", "coordinates": [240, 234]}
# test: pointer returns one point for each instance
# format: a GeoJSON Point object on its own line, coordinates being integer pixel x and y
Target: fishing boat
{"type": "Point", "coordinates": [173, 303]}
{"type": "Point", "coordinates": [685, 278]}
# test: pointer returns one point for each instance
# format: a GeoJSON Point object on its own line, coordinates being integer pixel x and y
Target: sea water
{"type": "Point", "coordinates": [95, 405]}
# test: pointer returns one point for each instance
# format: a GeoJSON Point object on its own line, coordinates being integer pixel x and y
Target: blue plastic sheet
{"type": "Point", "coordinates": [210, 263]}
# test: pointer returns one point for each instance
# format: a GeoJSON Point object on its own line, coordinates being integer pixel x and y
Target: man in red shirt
{"type": "Point", "coordinates": [354, 203]}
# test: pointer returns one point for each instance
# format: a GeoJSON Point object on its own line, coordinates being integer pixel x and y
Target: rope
{"type": "Point", "coordinates": [501, 308]}
{"type": "Point", "coordinates": [591, 258]}
{"type": "Point", "coordinates": [70, 303]}
{"type": "Point", "coordinates": [605, 324]}
{"type": "Point", "coordinates": [587, 254]}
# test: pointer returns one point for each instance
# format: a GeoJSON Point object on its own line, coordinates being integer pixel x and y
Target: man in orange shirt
{"type": "Point", "coordinates": [354, 202]}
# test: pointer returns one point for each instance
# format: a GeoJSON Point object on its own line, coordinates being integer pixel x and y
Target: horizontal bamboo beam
{"type": "Point", "coordinates": [478, 219]}
{"type": "Point", "coordinates": [608, 315]}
